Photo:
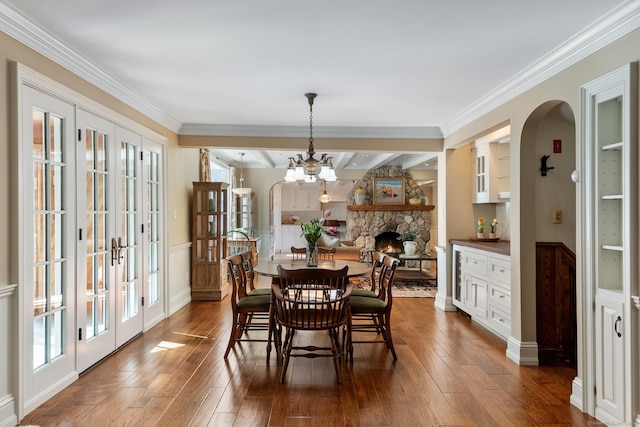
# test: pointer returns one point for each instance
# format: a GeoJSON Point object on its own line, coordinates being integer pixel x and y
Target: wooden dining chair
{"type": "Point", "coordinates": [326, 254]}
{"type": "Point", "coordinates": [311, 300]}
{"type": "Point", "coordinates": [251, 313]}
{"type": "Point", "coordinates": [368, 287]}
{"type": "Point", "coordinates": [299, 253]}
{"type": "Point", "coordinates": [373, 315]}
{"type": "Point", "coordinates": [247, 262]}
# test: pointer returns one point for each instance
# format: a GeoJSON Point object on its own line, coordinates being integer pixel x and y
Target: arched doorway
{"type": "Point", "coordinates": [549, 208]}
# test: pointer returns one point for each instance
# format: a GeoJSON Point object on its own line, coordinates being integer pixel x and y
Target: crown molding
{"type": "Point", "coordinates": [606, 30]}
{"type": "Point", "coordinates": [26, 32]}
{"type": "Point", "coordinates": [202, 129]}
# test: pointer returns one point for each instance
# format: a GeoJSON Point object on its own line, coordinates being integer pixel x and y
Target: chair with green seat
{"type": "Point", "coordinates": [373, 291]}
{"type": "Point", "coordinates": [247, 262]}
{"type": "Point", "coordinates": [373, 315]}
{"type": "Point", "coordinates": [251, 313]}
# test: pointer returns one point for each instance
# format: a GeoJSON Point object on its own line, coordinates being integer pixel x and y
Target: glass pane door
{"type": "Point", "coordinates": [47, 257]}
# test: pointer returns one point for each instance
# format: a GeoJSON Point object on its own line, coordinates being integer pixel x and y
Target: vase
{"type": "Point", "coordinates": [409, 247]}
{"type": "Point", "coordinates": [480, 235]}
{"type": "Point", "coordinates": [359, 198]}
{"type": "Point", "coordinates": [492, 235]}
{"type": "Point", "coordinates": [312, 254]}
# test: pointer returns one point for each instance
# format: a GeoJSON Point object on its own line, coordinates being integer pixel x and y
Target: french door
{"type": "Point", "coordinates": [91, 240]}
{"type": "Point", "coordinates": [109, 198]}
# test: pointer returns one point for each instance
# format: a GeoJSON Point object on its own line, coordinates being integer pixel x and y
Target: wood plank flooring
{"type": "Point", "coordinates": [450, 372]}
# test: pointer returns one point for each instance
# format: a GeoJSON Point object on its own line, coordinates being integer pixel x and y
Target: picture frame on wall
{"type": "Point", "coordinates": [388, 191]}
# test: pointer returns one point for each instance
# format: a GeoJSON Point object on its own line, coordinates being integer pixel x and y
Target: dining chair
{"type": "Point", "coordinates": [326, 254]}
{"type": "Point", "coordinates": [373, 291]}
{"type": "Point", "coordinates": [299, 253]}
{"type": "Point", "coordinates": [251, 313]}
{"type": "Point", "coordinates": [237, 241]}
{"type": "Point", "coordinates": [247, 263]}
{"type": "Point", "coordinates": [311, 300]}
{"type": "Point", "coordinates": [373, 315]}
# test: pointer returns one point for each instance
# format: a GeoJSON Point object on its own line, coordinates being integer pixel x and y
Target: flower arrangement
{"type": "Point", "coordinates": [481, 225]}
{"type": "Point", "coordinates": [493, 225]}
{"type": "Point", "coordinates": [313, 230]}
{"type": "Point", "coordinates": [407, 235]}
{"type": "Point", "coordinates": [294, 218]}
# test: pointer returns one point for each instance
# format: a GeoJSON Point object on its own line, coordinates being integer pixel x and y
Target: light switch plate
{"type": "Point", "coordinates": [557, 216]}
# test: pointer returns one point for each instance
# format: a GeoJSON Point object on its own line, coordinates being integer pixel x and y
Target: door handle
{"type": "Point", "coordinates": [114, 251]}
{"type": "Point", "coordinates": [615, 326]}
{"type": "Point", "coordinates": [120, 248]}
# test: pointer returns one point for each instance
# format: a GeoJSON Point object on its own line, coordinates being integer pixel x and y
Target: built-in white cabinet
{"type": "Point", "coordinates": [491, 167]}
{"type": "Point", "coordinates": [290, 236]}
{"type": "Point", "coordinates": [482, 289]}
{"type": "Point", "coordinates": [300, 199]}
{"type": "Point", "coordinates": [609, 242]}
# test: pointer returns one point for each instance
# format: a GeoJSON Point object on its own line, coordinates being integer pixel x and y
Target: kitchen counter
{"type": "Point", "coordinates": [502, 247]}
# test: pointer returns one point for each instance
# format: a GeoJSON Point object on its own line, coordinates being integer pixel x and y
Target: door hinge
{"type": "Point", "coordinates": [142, 155]}
{"type": "Point", "coordinates": [79, 135]}
{"type": "Point", "coordinates": [80, 234]}
{"type": "Point", "coordinates": [80, 334]}
{"type": "Point", "coordinates": [142, 226]}
{"type": "Point", "coordinates": [142, 301]}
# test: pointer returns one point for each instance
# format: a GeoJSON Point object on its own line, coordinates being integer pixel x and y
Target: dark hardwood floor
{"type": "Point", "coordinates": [450, 372]}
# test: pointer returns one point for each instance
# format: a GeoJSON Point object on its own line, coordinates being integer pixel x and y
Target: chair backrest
{"type": "Point", "coordinates": [313, 278]}
{"type": "Point", "coordinates": [376, 264]}
{"type": "Point", "coordinates": [326, 254]}
{"type": "Point", "coordinates": [247, 263]}
{"type": "Point", "coordinates": [385, 279]}
{"type": "Point", "coordinates": [237, 276]}
{"type": "Point", "coordinates": [237, 242]}
{"type": "Point", "coordinates": [250, 231]}
{"type": "Point", "coordinates": [312, 308]}
{"type": "Point", "coordinates": [298, 253]}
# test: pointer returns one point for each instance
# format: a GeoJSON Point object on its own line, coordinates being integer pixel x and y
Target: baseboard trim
{"type": "Point", "coordinates": [8, 416]}
{"type": "Point", "coordinates": [444, 303]}
{"type": "Point", "coordinates": [180, 300]}
{"type": "Point", "coordinates": [576, 393]}
{"type": "Point", "coordinates": [523, 353]}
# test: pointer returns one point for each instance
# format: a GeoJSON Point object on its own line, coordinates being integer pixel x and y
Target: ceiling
{"type": "Point", "coordinates": [407, 68]}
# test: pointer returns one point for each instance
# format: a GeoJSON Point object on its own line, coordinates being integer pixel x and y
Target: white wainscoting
{"type": "Point", "coordinates": [179, 286]}
{"type": "Point", "coordinates": [8, 415]}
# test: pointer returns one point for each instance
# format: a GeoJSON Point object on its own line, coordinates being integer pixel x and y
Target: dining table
{"type": "Point", "coordinates": [270, 268]}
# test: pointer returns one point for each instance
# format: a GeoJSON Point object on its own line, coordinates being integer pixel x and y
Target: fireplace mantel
{"type": "Point", "coordinates": [390, 207]}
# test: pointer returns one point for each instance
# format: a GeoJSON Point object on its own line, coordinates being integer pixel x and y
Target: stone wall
{"type": "Point", "coordinates": [364, 226]}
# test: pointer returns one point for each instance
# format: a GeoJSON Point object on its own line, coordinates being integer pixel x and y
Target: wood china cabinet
{"type": "Point", "coordinates": [209, 226]}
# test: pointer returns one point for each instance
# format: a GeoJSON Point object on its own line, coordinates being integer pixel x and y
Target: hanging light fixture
{"type": "Point", "coordinates": [325, 197]}
{"type": "Point", "coordinates": [242, 190]}
{"type": "Point", "coordinates": [310, 169]}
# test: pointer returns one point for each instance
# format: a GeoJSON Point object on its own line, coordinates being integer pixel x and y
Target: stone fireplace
{"type": "Point", "coordinates": [365, 222]}
{"type": "Point", "coordinates": [388, 243]}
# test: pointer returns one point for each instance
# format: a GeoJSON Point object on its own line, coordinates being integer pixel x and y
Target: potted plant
{"type": "Point", "coordinates": [494, 224]}
{"type": "Point", "coordinates": [311, 232]}
{"type": "Point", "coordinates": [408, 238]}
{"type": "Point", "coordinates": [480, 227]}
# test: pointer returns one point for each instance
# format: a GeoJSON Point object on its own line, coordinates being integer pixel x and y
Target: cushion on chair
{"type": "Point", "coordinates": [259, 291]}
{"type": "Point", "coordinates": [366, 303]}
{"type": "Point", "coordinates": [254, 301]}
{"type": "Point", "coordinates": [363, 293]}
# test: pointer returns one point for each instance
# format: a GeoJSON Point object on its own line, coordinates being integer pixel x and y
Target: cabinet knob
{"type": "Point", "coordinates": [502, 270]}
{"type": "Point", "coordinates": [501, 297]}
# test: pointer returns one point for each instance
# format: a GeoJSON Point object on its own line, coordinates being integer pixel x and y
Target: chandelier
{"type": "Point", "coordinates": [311, 169]}
{"type": "Point", "coordinates": [242, 190]}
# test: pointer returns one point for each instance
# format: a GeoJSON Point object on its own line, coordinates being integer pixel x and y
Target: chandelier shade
{"type": "Point", "coordinates": [242, 190]}
{"type": "Point", "coordinates": [310, 169]}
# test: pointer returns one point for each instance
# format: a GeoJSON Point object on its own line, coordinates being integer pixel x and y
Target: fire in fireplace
{"type": "Point", "coordinates": [388, 243]}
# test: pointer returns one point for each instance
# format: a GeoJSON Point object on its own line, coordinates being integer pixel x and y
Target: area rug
{"type": "Point", "coordinates": [413, 290]}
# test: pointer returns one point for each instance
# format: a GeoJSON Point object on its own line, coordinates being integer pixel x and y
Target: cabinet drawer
{"type": "Point", "coordinates": [500, 270]}
{"type": "Point", "coordinates": [499, 321]}
{"type": "Point", "coordinates": [474, 262]}
{"type": "Point", "coordinates": [500, 296]}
